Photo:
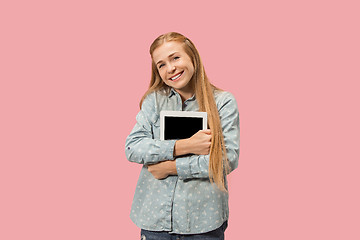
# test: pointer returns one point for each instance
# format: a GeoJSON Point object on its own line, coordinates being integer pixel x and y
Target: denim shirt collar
{"type": "Point", "coordinates": [173, 92]}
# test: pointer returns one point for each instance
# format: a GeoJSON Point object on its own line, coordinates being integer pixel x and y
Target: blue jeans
{"type": "Point", "coordinates": [217, 234]}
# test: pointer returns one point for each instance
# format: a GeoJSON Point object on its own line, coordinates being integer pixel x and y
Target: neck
{"type": "Point", "coordinates": [185, 94]}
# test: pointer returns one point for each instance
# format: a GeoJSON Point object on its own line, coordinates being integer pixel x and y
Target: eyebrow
{"type": "Point", "coordinates": [168, 57]}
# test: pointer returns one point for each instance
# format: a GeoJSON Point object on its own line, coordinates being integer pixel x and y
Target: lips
{"type": "Point", "coordinates": [176, 76]}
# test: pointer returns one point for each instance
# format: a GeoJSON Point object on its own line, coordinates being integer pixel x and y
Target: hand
{"type": "Point", "coordinates": [200, 142]}
{"type": "Point", "coordinates": [162, 170]}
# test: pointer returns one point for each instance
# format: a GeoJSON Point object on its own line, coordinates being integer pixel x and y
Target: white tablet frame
{"type": "Point", "coordinates": [192, 114]}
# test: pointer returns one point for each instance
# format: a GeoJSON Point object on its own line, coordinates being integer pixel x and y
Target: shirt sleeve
{"type": "Point", "coordinates": [140, 145]}
{"type": "Point", "coordinates": [197, 166]}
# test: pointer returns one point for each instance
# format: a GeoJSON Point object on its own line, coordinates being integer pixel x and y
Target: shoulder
{"type": "Point", "coordinates": [149, 101]}
{"type": "Point", "coordinates": [152, 99]}
{"type": "Point", "coordinates": [224, 98]}
{"type": "Point", "coordinates": [227, 107]}
{"type": "Point", "coordinates": [152, 104]}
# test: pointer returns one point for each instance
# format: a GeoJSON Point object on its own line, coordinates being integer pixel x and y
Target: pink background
{"type": "Point", "coordinates": [72, 74]}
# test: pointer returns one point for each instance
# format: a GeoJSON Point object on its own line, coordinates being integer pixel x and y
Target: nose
{"type": "Point", "coordinates": [171, 68]}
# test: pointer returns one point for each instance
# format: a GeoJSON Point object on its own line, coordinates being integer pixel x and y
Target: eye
{"type": "Point", "coordinates": [161, 65]}
{"type": "Point", "coordinates": [176, 58]}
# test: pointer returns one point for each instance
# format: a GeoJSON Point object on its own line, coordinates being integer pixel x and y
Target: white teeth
{"type": "Point", "coordinates": [176, 77]}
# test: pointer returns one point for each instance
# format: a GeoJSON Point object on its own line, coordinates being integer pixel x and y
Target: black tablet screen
{"type": "Point", "coordinates": [181, 127]}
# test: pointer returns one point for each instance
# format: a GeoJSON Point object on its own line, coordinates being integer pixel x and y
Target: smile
{"type": "Point", "coordinates": [176, 77]}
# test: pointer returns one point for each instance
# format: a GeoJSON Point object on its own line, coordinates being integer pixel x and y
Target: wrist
{"type": "Point", "coordinates": [182, 147]}
{"type": "Point", "coordinates": [172, 170]}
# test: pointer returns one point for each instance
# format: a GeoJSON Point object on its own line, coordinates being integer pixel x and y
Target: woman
{"type": "Point", "coordinates": [182, 188]}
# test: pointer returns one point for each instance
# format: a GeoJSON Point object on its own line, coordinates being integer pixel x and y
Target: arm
{"type": "Point", "coordinates": [197, 166]}
{"type": "Point", "coordinates": [199, 143]}
{"type": "Point", "coordinates": [140, 147]}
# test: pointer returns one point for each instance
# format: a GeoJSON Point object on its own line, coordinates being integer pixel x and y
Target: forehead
{"type": "Point", "coordinates": [166, 49]}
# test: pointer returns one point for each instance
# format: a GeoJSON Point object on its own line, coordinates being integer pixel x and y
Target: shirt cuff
{"type": "Point", "coordinates": [167, 148]}
{"type": "Point", "coordinates": [183, 168]}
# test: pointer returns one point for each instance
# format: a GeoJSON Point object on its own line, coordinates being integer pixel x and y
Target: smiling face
{"type": "Point", "coordinates": [175, 67]}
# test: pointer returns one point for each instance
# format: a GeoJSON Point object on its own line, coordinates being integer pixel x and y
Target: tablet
{"type": "Point", "coordinates": [181, 124]}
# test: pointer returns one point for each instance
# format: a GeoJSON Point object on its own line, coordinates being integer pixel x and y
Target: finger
{"type": "Point", "coordinates": [207, 131]}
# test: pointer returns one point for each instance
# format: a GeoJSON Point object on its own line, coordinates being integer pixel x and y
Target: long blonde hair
{"type": "Point", "coordinates": [218, 164]}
